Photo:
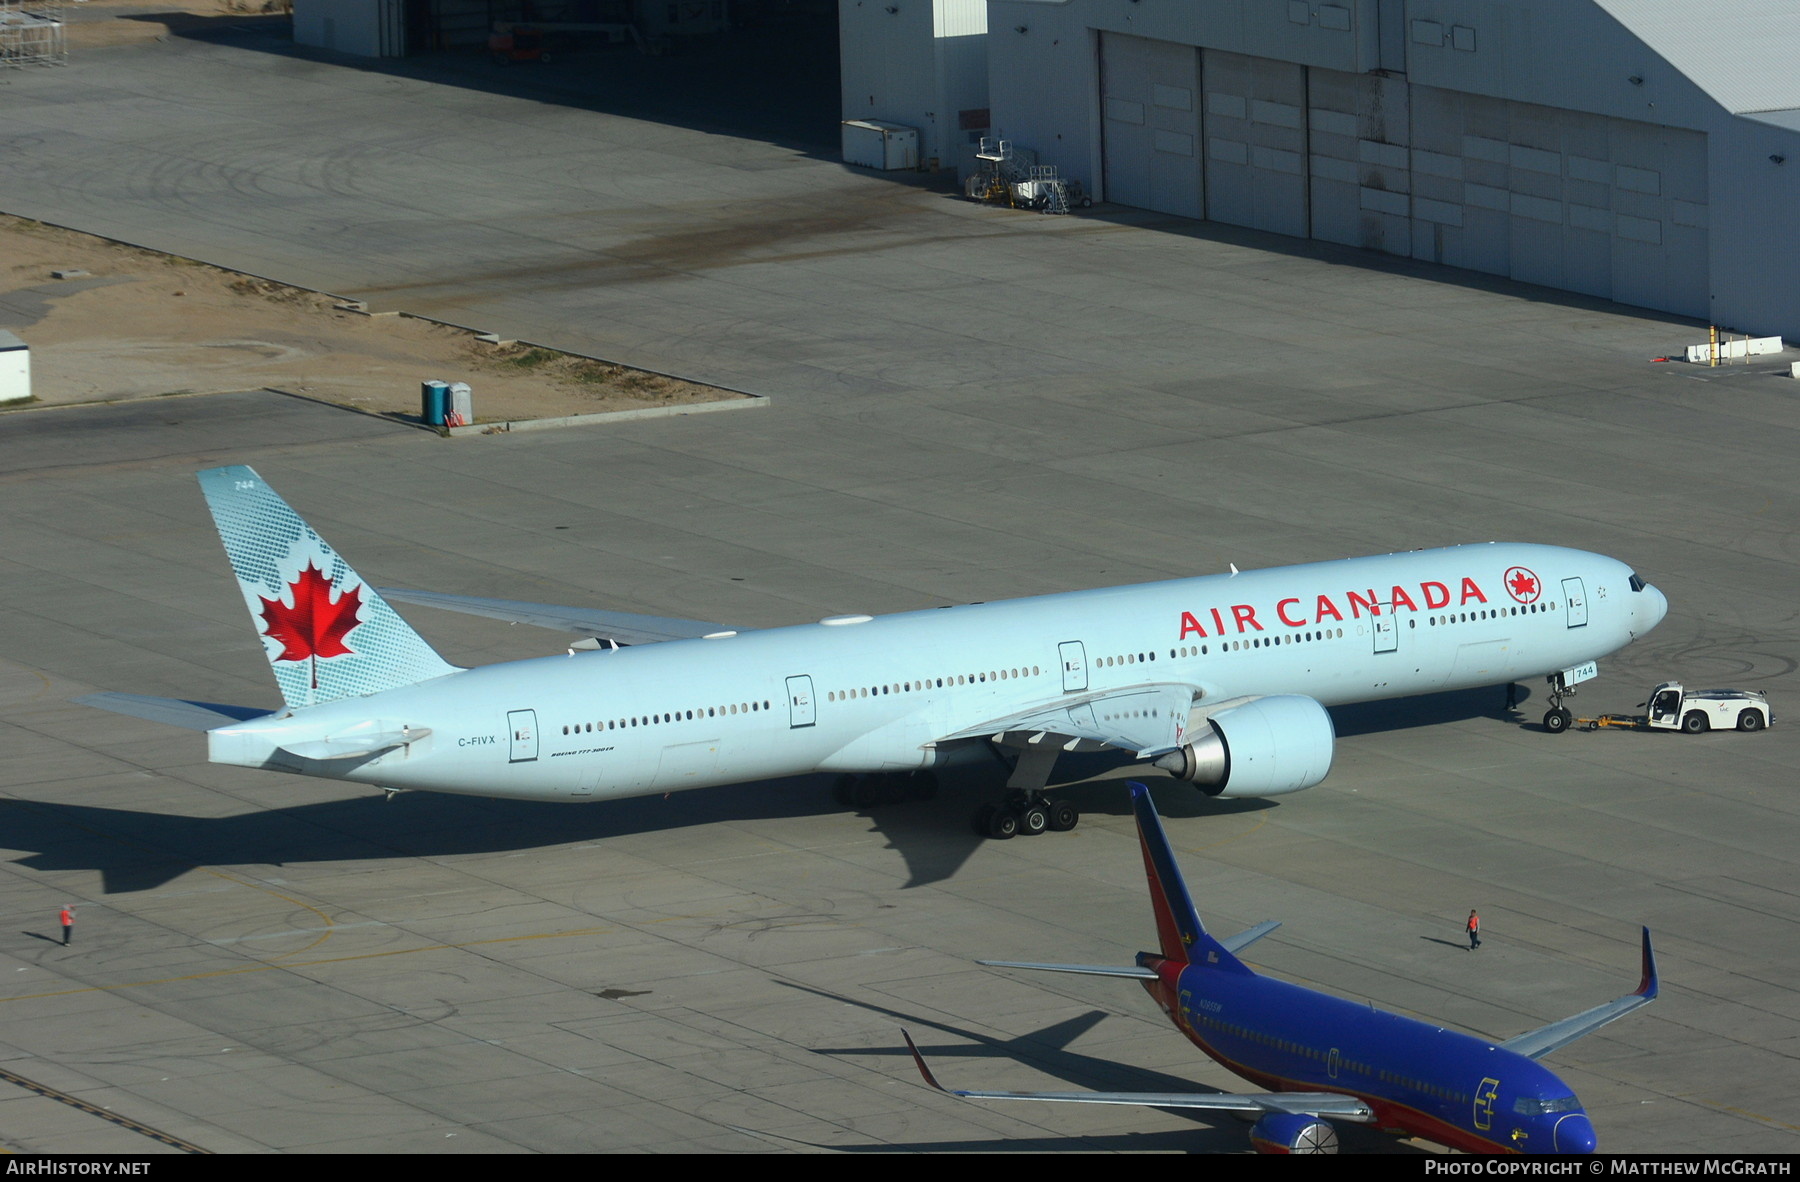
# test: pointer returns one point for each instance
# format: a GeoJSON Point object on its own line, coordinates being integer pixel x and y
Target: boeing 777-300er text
{"type": "Point", "coordinates": [1324, 1058]}
{"type": "Point", "coordinates": [1222, 681]}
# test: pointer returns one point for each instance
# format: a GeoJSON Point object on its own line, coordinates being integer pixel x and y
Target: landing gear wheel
{"type": "Point", "coordinates": [1033, 820]}
{"type": "Point", "coordinates": [1002, 824]}
{"type": "Point", "coordinates": [1695, 723]}
{"type": "Point", "coordinates": [1557, 721]}
{"type": "Point", "coordinates": [1063, 816]}
{"type": "Point", "coordinates": [1750, 720]}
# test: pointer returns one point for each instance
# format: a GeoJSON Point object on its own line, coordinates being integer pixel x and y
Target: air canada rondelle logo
{"type": "Point", "coordinates": [1523, 584]}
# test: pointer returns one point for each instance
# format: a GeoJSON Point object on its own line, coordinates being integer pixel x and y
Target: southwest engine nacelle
{"type": "Point", "coordinates": [1265, 747]}
{"type": "Point", "coordinates": [1283, 1132]}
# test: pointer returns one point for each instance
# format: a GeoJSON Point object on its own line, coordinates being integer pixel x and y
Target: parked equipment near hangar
{"type": "Point", "coordinates": [1693, 712]}
{"type": "Point", "coordinates": [516, 43]}
{"type": "Point", "coordinates": [1012, 177]}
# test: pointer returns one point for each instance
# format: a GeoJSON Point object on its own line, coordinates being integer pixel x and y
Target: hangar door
{"type": "Point", "coordinates": [1607, 207]}
{"type": "Point", "coordinates": [1150, 124]}
{"type": "Point", "coordinates": [1256, 142]}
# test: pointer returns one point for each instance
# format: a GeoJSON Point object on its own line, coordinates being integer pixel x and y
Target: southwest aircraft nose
{"type": "Point", "coordinates": [1574, 1134]}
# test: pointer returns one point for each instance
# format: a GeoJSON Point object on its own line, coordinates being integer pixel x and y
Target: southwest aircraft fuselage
{"type": "Point", "coordinates": [1326, 1059]}
{"type": "Point", "coordinates": [903, 692]}
{"type": "Point", "coordinates": [1417, 1078]}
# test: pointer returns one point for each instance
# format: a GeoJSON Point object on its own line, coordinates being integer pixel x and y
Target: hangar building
{"type": "Point", "coordinates": [1644, 151]}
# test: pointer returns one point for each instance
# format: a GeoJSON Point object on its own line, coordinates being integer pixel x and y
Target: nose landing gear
{"type": "Point", "coordinates": [1558, 718]}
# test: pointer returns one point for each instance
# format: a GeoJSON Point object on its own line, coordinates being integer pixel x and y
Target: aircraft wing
{"type": "Point", "coordinates": [623, 627]}
{"type": "Point", "coordinates": [1537, 1043]}
{"type": "Point", "coordinates": [1331, 1104]}
{"type": "Point", "coordinates": [1143, 719]}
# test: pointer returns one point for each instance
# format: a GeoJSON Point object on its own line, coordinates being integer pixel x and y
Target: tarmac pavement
{"type": "Point", "coordinates": [967, 404]}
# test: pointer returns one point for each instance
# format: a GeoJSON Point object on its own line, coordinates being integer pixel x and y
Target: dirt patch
{"type": "Point", "coordinates": [140, 324]}
{"type": "Point", "coordinates": [96, 24]}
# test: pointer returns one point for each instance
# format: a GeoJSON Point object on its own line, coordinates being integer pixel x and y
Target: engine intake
{"type": "Point", "coordinates": [1264, 747]}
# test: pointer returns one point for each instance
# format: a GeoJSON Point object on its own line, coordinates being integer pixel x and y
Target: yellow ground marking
{"type": "Point", "coordinates": [325, 919]}
{"type": "Point", "coordinates": [1745, 1112]}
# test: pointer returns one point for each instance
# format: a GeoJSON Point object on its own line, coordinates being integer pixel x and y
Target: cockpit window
{"type": "Point", "coordinates": [1637, 584]}
{"type": "Point", "coordinates": [1534, 1105]}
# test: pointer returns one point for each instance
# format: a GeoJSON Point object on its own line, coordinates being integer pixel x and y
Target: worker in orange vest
{"type": "Point", "coordinates": [68, 922]}
{"type": "Point", "coordinates": [1474, 926]}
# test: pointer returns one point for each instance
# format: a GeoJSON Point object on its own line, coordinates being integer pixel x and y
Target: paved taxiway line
{"type": "Point", "coordinates": [80, 1105]}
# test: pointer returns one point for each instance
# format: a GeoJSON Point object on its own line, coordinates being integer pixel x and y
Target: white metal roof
{"type": "Point", "coordinates": [1744, 53]}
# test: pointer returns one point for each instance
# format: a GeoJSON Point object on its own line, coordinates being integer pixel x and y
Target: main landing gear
{"type": "Point", "coordinates": [1558, 718]}
{"type": "Point", "coordinates": [1026, 814]}
{"type": "Point", "coordinates": [1026, 810]}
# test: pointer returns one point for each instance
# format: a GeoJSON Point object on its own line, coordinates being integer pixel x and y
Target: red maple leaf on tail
{"type": "Point", "coordinates": [315, 626]}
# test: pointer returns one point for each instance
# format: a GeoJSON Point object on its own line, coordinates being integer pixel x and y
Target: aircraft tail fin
{"type": "Point", "coordinates": [327, 633]}
{"type": "Point", "coordinates": [1178, 928]}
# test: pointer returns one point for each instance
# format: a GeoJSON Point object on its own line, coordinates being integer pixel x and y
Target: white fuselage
{"type": "Point", "coordinates": [879, 694]}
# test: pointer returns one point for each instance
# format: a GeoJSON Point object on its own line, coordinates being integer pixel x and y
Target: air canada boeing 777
{"type": "Point", "coordinates": [1221, 681]}
{"type": "Point", "coordinates": [1325, 1058]}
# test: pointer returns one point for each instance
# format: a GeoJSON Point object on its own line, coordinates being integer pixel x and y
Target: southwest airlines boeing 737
{"type": "Point", "coordinates": [1324, 1058]}
{"type": "Point", "coordinates": [1221, 681]}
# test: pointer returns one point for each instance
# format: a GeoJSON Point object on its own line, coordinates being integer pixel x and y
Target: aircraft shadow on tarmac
{"type": "Point", "coordinates": [136, 851]}
{"type": "Point", "coordinates": [984, 1062]}
{"type": "Point", "coordinates": [1367, 718]}
{"type": "Point", "coordinates": [142, 851]}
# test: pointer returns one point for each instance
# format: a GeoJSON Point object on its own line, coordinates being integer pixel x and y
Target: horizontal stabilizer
{"type": "Point", "coordinates": [1086, 970]}
{"type": "Point", "coordinates": [1250, 936]}
{"type": "Point", "coordinates": [356, 745]}
{"type": "Point", "coordinates": [1326, 1104]}
{"type": "Point", "coordinates": [193, 716]}
{"type": "Point", "coordinates": [1537, 1043]}
{"type": "Point", "coordinates": [623, 627]}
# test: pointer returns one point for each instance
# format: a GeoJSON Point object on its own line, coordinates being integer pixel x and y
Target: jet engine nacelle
{"type": "Point", "coordinates": [1265, 747]}
{"type": "Point", "coordinates": [1285, 1132]}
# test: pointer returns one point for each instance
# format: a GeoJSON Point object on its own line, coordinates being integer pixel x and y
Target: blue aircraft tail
{"type": "Point", "coordinates": [1178, 927]}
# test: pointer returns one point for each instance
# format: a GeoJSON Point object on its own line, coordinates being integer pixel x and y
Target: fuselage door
{"type": "Point", "coordinates": [1387, 637]}
{"type": "Point", "coordinates": [1575, 598]}
{"type": "Point", "coordinates": [522, 724]}
{"type": "Point", "coordinates": [800, 702]}
{"type": "Point", "coordinates": [1074, 666]}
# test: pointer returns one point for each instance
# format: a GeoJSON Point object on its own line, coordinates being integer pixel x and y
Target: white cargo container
{"type": "Point", "coordinates": [887, 146]}
{"type": "Point", "coordinates": [15, 368]}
